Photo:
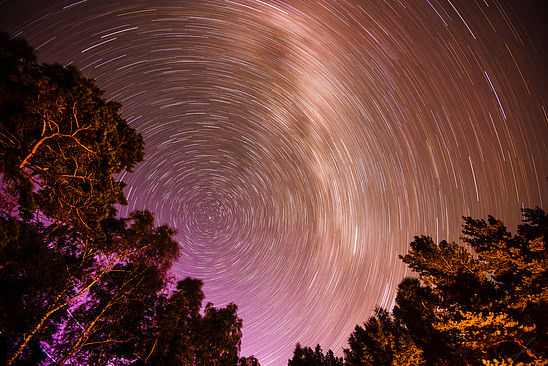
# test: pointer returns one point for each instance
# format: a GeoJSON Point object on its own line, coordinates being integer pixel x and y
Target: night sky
{"type": "Point", "coordinates": [298, 146]}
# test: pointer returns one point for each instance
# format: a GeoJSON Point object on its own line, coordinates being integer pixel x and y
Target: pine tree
{"type": "Point", "coordinates": [383, 340]}
{"type": "Point", "coordinates": [305, 356]}
{"type": "Point", "coordinates": [483, 301]}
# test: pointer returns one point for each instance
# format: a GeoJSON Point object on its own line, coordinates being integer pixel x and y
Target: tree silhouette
{"type": "Point", "coordinates": [185, 337]}
{"type": "Point", "coordinates": [79, 284]}
{"type": "Point", "coordinates": [305, 356]}
{"type": "Point", "coordinates": [61, 144]}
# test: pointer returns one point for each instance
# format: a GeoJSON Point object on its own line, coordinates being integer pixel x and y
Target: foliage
{"type": "Point", "coordinates": [61, 144]}
{"type": "Point", "coordinates": [308, 357]}
{"type": "Point", "coordinates": [79, 284]}
{"type": "Point", "coordinates": [61, 141]}
{"type": "Point", "coordinates": [382, 341]}
{"type": "Point", "coordinates": [248, 361]}
{"type": "Point", "coordinates": [510, 362]}
{"type": "Point", "coordinates": [480, 302]}
{"type": "Point", "coordinates": [185, 337]}
{"type": "Point", "coordinates": [116, 313]}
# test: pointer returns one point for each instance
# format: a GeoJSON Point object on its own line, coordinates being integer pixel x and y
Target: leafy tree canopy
{"type": "Point", "coordinates": [481, 302]}
{"type": "Point", "coordinates": [81, 285]}
{"type": "Point", "coordinates": [186, 337]}
{"type": "Point", "coordinates": [61, 141]}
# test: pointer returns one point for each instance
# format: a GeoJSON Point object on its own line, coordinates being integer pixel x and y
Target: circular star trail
{"type": "Point", "coordinates": [298, 146]}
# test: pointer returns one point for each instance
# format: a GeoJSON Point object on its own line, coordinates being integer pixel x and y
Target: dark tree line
{"type": "Point", "coordinates": [78, 283]}
{"type": "Point", "coordinates": [305, 356]}
{"type": "Point", "coordinates": [483, 302]}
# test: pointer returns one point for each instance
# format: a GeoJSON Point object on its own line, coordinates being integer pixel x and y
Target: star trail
{"type": "Point", "coordinates": [298, 146]}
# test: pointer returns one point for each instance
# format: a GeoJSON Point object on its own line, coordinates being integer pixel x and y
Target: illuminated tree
{"type": "Point", "coordinates": [60, 145]}
{"type": "Point", "coordinates": [119, 311]}
{"type": "Point", "coordinates": [382, 341]}
{"type": "Point", "coordinates": [480, 302]}
{"type": "Point", "coordinates": [62, 142]}
{"type": "Point", "coordinates": [81, 285]}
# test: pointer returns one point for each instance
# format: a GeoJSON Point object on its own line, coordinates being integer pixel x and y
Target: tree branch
{"type": "Point", "coordinates": [35, 148]}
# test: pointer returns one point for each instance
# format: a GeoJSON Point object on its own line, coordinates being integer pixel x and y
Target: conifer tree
{"type": "Point", "coordinates": [483, 301]}
{"type": "Point", "coordinates": [305, 356]}
{"type": "Point", "coordinates": [383, 340]}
